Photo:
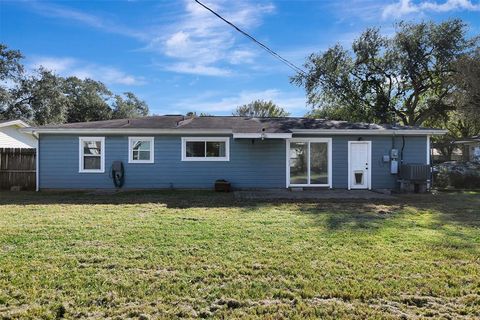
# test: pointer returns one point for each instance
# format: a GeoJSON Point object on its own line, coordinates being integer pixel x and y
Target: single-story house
{"type": "Point", "coordinates": [470, 148]}
{"type": "Point", "coordinates": [11, 135]}
{"type": "Point", "coordinates": [175, 151]}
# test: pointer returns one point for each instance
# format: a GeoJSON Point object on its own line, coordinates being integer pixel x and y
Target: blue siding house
{"type": "Point", "coordinates": [193, 152]}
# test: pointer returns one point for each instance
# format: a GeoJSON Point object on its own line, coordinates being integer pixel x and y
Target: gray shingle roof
{"type": "Point", "coordinates": [236, 124]}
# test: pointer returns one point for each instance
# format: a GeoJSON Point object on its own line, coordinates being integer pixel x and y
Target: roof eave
{"type": "Point", "coordinates": [19, 123]}
{"type": "Point", "coordinates": [380, 132]}
{"type": "Point", "coordinates": [123, 131]}
{"type": "Point", "coordinates": [245, 135]}
{"type": "Point", "coordinates": [265, 135]}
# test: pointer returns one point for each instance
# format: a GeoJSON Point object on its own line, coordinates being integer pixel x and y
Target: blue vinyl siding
{"type": "Point", "coordinates": [258, 165]}
{"type": "Point", "coordinates": [261, 165]}
{"type": "Point", "coordinates": [415, 151]}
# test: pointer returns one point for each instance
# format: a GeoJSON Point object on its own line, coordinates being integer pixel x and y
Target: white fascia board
{"type": "Point", "coordinates": [387, 132]}
{"type": "Point", "coordinates": [262, 135]}
{"type": "Point", "coordinates": [24, 127]}
{"type": "Point", "coordinates": [473, 141]}
{"type": "Point", "coordinates": [124, 131]}
{"type": "Point", "coordinates": [373, 132]}
{"type": "Point", "coordinates": [19, 123]}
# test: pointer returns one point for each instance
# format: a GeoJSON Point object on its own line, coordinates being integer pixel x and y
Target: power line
{"type": "Point", "coordinates": [273, 53]}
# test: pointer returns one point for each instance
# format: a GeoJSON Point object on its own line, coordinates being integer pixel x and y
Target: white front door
{"type": "Point", "coordinates": [359, 164]}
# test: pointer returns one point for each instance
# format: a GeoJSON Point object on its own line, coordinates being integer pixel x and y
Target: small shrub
{"type": "Point", "coordinates": [459, 175]}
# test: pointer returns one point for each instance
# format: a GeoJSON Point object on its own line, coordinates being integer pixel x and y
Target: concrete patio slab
{"type": "Point", "coordinates": [309, 194]}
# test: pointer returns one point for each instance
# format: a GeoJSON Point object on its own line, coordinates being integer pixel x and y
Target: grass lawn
{"type": "Point", "coordinates": [200, 254]}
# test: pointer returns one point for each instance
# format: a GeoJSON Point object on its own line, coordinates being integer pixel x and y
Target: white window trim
{"type": "Point", "coordinates": [37, 166]}
{"type": "Point", "coordinates": [81, 155]}
{"type": "Point", "coordinates": [428, 149]}
{"type": "Point", "coordinates": [130, 150]}
{"type": "Point", "coordinates": [206, 139]}
{"type": "Point", "coordinates": [370, 166]}
{"type": "Point", "coordinates": [308, 140]}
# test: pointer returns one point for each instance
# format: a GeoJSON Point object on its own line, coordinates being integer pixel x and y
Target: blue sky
{"type": "Point", "coordinates": [178, 57]}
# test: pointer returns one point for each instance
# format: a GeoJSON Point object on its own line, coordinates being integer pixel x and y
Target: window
{"type": "Point", "coordinates": [309, 162]}
{"type": "Point", "coordinates": [140, 150]}
{"type": "Point", "coordinates": [92, 154]}
{"type": "Point", "coordinates": [205, 149]}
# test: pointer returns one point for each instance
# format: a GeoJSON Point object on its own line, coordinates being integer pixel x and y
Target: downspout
{"type": "Point", "coordinates": [429, 152]}
{"type": "Point", "coordinates": [400, 163]}
{"type": "Point", "coordinates": [429, 163]}
{"type": "Point", "coordinates": [401, 152]}
{"type": "Point", "coordinates": [394, 160]}
{"type": "Point", "coordinates": [393, 142]}
{"type": "Point", "coordinates": [37, 165]}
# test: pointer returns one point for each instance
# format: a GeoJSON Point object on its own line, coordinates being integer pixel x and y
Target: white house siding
{"type": "Point", "coordinates": [11, 137]}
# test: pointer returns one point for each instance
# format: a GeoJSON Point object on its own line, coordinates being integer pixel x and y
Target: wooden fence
{"type": "Point", "coordinates": [17, 168]}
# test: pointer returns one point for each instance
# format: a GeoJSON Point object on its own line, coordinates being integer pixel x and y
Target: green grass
{"type": "Point", "coordinates": [201, 254]}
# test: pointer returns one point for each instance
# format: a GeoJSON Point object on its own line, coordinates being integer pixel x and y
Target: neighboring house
{"type": "Point", "coordinates": [11, 135]}
{"type": "Point", "coordinates": [438, 156]}
{"type": "Point", "coordinates": [471, 148]}
{"type": "Point", "coordinates": [193, 152]}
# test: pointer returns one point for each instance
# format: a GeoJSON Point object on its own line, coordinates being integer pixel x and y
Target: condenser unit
{"type": "Point", "coordinates": [415, 172]}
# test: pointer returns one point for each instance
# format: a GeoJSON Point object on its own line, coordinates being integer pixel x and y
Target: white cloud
{"type": "Point", "coordinates": [353, 13]}
{"type": "Point", "coordinates": [241, 56]}
{"type": "Point", "coordinates": [72, 67]}
{"type": "Point", "coordinates": [226, 105]}
{"type": "Point", "coordinates": [406, 7]}
{"type": "Point", "coordinates": [198, 69]}
{"type": "Point", "coordinates": [56, 11]}
{"type": "Point", "coordinates": [113, 75]}
{"type": "Point", "coordinates": [58, 65]}
{"type": "Point", "coordinates": [202, 44]}
{"type": "Point", "coordinates": [197, 42]}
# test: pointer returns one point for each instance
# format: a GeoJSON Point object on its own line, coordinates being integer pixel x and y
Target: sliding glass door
{"type": "Point", "coordinates": [309, 162]}
{"type": "Point", "coordinates": [299, 163]}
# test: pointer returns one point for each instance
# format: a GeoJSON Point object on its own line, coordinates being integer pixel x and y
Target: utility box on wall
{"type": "Point", "coordinates": [394, 153]}
{"type": "Point", "coordinates": [394, 167]}
{"type": "Point", "coordinates": [394, 161]}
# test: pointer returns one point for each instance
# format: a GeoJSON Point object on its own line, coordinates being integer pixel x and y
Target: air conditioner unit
{"type": "Point", "coordinates": [415, 172]}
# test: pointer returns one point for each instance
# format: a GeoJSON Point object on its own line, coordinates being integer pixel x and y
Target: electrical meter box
{"type": "Point", "coordinates": [394, 167]}
{"type": "Point", "coordinates": [394, 153]}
